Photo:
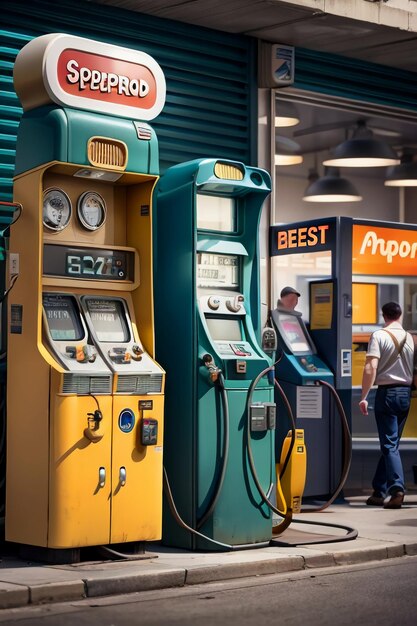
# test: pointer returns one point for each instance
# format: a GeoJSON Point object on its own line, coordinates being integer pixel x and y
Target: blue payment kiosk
{"type": "Point", "coordinates": [299, 371]}
{"type": "Point", "coordinates": [314, 370]}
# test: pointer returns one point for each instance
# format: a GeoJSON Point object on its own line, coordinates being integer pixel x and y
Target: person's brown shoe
{"type": "Point", "coordinates": [395, 501]}
{"type": "Point", "coordinates": [375, 500]}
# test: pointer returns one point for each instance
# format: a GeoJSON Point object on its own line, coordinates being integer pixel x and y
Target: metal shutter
{"type": "Point", "coordinates": [211, 80]}
{"type": "Point", "coordinates": [357, 80]}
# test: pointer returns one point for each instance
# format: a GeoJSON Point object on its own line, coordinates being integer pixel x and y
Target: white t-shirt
{"type": "Point", "coordinates": [392, 371]}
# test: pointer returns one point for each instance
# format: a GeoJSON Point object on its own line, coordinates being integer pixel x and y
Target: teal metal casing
{"type": "Point", "coordinates": [193, 411]}
{"type": "Point", "coordinates": [54, 133]}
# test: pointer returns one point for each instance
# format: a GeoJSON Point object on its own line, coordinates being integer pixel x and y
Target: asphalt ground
{"type": "Point", "coordinates": [381, 534]}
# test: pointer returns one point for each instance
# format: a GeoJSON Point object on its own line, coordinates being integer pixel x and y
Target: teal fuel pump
{"type": "Point", "coordinates": [207, 296]}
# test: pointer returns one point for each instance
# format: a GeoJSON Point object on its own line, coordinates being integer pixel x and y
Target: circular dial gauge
{"type": "Point", "coordinates": [91, 210]}
{"type": "Point", "coordinates": [56, 209]}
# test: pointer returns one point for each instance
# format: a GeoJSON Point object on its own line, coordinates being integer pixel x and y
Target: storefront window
{"type": "Point", "coordinates": [297, 270]}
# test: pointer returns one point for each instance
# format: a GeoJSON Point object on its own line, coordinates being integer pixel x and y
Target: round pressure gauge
{"type": "Point", "coordinates": [56, 209]}
{"type": "Point", "coordinates": [91, 210]}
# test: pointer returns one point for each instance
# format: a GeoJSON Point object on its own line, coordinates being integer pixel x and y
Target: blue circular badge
{"type": "Point", "coordinates": [126, 420]}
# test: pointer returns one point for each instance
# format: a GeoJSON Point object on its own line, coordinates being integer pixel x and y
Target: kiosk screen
{"type": "Point", "coordinates": [217, 271]}
{"type": "Point", "coordinates": [63, 317]}
{"type": "Point", "coordinates": [293, 334]}
{"type": "Point", "coordinates": [108, 319]}
{"type": "Point", "coordinates": [215, 213]}
{"type": "Point", "coordinates": [224, 329]}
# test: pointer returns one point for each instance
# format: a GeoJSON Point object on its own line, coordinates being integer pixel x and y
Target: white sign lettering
{"type": "Point", "coordinates": [105, 81]}
{"type": "Point", "coordinates": [388, 248]}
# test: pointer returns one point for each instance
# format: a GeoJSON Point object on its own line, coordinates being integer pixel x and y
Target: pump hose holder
{"type": "Point", "coordinates": [93, 432]}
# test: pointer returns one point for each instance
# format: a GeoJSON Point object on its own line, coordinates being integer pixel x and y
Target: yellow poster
{"type": "Point", "coordinates": [364, 303]}
{"type": "Point", "coordinates": [321, 306]}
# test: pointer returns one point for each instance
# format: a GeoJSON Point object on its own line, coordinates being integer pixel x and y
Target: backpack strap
{"type": "Point", "coordinates": [399, 345]}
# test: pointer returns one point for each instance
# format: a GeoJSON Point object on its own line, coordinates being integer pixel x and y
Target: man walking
{"type": "Point", "coordinates": [389, 364]}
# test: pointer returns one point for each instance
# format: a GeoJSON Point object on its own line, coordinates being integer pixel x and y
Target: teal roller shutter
{"type": "Point", "coordinates": [210, 109]}
{"type": "Point", "coordinates": [354, 79]}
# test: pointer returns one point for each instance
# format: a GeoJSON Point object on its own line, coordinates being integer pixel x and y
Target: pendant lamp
{"type": "Point", "coordinates": [363, 150]}
{"type": "Point", "coordinates": [404, 174]}
{"type": "Point", "coordinates": [330, 188]}
{"type": "Point", "coordinates": [286, 114]}
{"type": "Point", "coordinates": [287, 151]}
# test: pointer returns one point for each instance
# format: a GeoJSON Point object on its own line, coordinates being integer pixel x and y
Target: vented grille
{"type": "Point", "coordinates": [139, 385]}
{"type": "Point", "coordinates": [81, 385]}
{"type": "Point", "coordinates": [104, 152]}
{"type": "Point", "coordinates": [228, 172]}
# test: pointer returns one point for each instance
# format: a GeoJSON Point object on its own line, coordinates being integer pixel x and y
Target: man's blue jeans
{"type": "Point", "coordinates": [391, 409]}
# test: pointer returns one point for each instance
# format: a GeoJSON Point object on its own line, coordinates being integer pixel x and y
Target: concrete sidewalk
{"type": "Point", "coordinates": [382, 534]}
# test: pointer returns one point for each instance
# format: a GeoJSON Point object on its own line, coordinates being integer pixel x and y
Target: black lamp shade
{"type": "Point", "coordinates": [403, 175]}
{"type": "Point", "coordinates": [331, 188]}
{"type": "Point", "coordinates": [366, 152]}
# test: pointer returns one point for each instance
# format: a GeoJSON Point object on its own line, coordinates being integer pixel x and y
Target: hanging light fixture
{"type": "Point", "coordinates": [330, 188]}
{"type": "Point", "coordinates": [404, 174]}
{"type": "Point", "coordinates": [287, 151]}
{"type": "Point", "coordinates": [363, 150]}
{"type": "Point", "coordinates": [286, 114]}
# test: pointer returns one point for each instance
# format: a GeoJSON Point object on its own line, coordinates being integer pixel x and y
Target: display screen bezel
{"type": "Point", "coordinates": [101, 335]}
{"type": "Point", "coordinates": [304, 347]}
{"type": "Point", "coordinates": [87, 263]}
{"type": "Point", "coordinates": [214, 323]}
{"type": "Point", "coordinates": [78, 326]}
{"type": "Point", "coordinates": [212, 282]}
{"type": "Point", "coordinates": [229, 225]}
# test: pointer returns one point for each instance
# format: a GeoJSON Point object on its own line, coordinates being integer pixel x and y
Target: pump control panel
{"type": "Point", "coordinates": [112, 331]}
{"type": "Point", "coordinates": [68, 336]}
{"type": "Point", "coordinates": [225, 324]}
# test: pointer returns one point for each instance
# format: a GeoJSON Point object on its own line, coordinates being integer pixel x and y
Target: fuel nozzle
{"type": "Point", "coordinates": [214, 371]}
{"type": "Point", "coordinates": [93, 432]}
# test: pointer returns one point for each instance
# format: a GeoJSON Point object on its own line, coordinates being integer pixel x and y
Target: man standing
{"type": "Point", "coordinates": [389, 364]}
{"type": "Point", "coordinates": [288, 298]}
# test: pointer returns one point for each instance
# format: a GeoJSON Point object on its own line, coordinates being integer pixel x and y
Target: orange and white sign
{"type": "Point", "coordinates": [85, 74]}
{"type": "Point", "coordinates": [302, 237]}
{"type": "Point", "coordinates": [386, 251]}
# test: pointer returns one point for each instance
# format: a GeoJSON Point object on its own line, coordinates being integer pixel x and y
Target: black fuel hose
{"type": "Point", "coordinates": [347, 457]}
{"type": "Point", "coordinates": [293, 426]}
{"type": "Point", "coordinates": [225, 453]}
{"type": "Point", "coordinates": [286, 515]}
{"type": "Point", "coordinates": [352, 533]}
{"type": "Point", "coordinates": [12, 282]}
{"type": "Point", "coordinates": [115, 554]}
{"type": "Point", "coordinates": [180, 522]}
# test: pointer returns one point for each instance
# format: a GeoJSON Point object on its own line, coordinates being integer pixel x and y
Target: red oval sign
{"type": "Point", "coordinates": [106, 79]}
{"type": "Point", "coordinates": [92, 75]}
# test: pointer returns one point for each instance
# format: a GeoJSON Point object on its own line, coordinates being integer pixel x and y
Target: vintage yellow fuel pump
{"type": "Point", "coordinates": [85, 395]}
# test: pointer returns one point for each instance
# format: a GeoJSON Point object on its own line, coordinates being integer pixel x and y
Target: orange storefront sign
{"type": "Point", "coordinates": [386, 251]}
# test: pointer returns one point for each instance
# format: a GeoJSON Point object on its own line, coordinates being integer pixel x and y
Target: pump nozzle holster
{"type": "Point", "coordinates": [214, 371]}
{"type": "Point", "coordinates": [93, 432]}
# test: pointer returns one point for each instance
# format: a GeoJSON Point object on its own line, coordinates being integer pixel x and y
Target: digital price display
{"type": "Point", "coordinates": [63, 317]}
{"type": "Point", "coordinates": [217, 270]}
{"type": "Point", "coordinates": [88, 263]}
